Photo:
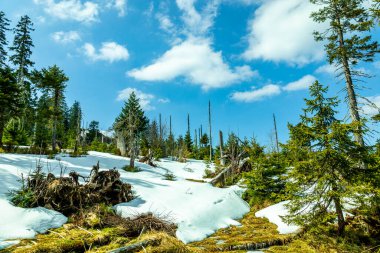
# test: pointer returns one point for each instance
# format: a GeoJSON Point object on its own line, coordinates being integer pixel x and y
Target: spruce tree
{"type": "Point", "coordinates": [21, 60]}
{"type": "Point", "coordinates": [9, 98]}
{"type": "Point", "coordinates": [131, 123]}
{"type": "Point", "coordinates": [4, 27]}
{"type": "Point", "coordinates": [22, 48]}
{"type": "Point", "coordinates": [188, 141]}
{"type": "Point", "coordinates": [43, 133]}
{"type": "Point", "coordinates": [326, 162]}
{"type": "Point", "coordinates": [348, 43]}
{"type": "Point", "coordinates": [53, 81]}
{"type": "Point", "coordinates": [75, 119]}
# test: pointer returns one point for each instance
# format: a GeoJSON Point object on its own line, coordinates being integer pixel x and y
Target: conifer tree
{"type": "Point", "coordinates": [53, 81]}
{"type": "Point", "coordinates": [4, 27]}
{"type": "Point", "coordinates": [43, 133]}
{"type": "Point", "coordinates": [131, 122]}
{"type": "Point", "coordinates": [188, 141]}
{"type": "Point", "coordinates": [348, 43]}
{"type": "Point", "coordinates": [9, 98]}
{"type": "Point", "coordinates": [326, 161]}
{"type": "Point", "coordinates": [75, 119]}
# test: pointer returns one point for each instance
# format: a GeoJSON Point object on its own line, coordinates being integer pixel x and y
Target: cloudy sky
{"type": "Point", "coordinates": [251, 58]}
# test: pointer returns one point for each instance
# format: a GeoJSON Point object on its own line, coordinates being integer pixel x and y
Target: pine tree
{"type": "Point", "coordinates": [9, 98]}
{"type": "Point", "coordinates": [53, 81]}
{"type": "Point", "coordinates": [349, 42]}
{"type": "Point", "coordinates": [326, 161]}
{"type": "Point", "coordinates": [131, 122]}
{"type": "Point", "coordinates": [4, 27]}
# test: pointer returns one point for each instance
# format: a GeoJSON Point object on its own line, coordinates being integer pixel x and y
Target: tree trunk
{"type": "Point", "coordinates": [276, 133]}
{"type": "Point", "coordinates": [339, 212]}
{"type": "Point", "coordinates": [222, 160]}
{"type": "Point", "coordinates": [54, 137]}
{"type": "Point", "coordinates": [209, 123]}
{"type": "Point", "coordinates": [352, 101]}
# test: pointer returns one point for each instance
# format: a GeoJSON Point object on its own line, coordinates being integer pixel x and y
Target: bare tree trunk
{"type": "Point", "coordinates": [352, 101]}
{"type": "Point", "coordinates": [160, 122]}
{"type": "Point", "coordinates": [54, 137]}
{"type": "Point", "coordinates": [209, 123]}
{"type": "Point", "coordinates": [222, 160]}
{"type": "Point", "coordinates": [275, 132]}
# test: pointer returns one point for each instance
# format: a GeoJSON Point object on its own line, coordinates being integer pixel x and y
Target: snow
{"type": "Point", "coordinates": [274, 213]}
{"type": "Point", "coordinates": [198, 208]}
{"type": "Point", "coordinates": [18, 223]}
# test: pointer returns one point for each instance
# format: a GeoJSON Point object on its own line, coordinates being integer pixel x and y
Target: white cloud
{"type": "Point", "coordinates": [197, 62]}
{"type": "Point", "coordinates": [119, 5]}
{"type": "Point", "coordinates": [163, 100]}
{"type": "Point", "coordinates": [281, 31]}
{"type": "Point", "coordinates": [326, 69]}
{"type": "Point", "coordinates": [301, 84]}
{"type": "Point", "coordinates": [110, 51]}
{"type": "Point", "coordinates": [271, 90]}
{"type": "Point", "coordinates": [266, 91]}
{"type": "Point", "coordinates": [165, 23]}
{"type": "Point", "coordinates": [198, 23]}
{"type": "Point", "coordinates": [370, 108]}
{"type": "Point", "coordinates": [86, 12]}
{"type": "Point", "coordinates": [145, 98]}
{"type": "Point", "coordinates": [66, 37]}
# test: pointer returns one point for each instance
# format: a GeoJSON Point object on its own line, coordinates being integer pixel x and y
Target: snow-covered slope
{"type": "Point", "coordinates": [198, 208]}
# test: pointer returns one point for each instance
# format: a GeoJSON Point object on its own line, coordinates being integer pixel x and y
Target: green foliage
{"type": "Point", "coordinates": [14, 133]}
{"type": "Point", "coordinates": [4, 27]}
{"type": "Point", "coordinates": [169, 176]}
{"type": "Point", "coordinates": [9, 98]}
{"type": "Point", "coordinates": [327, 162]}
{"type": "Point", "coordinates": [266, 181]}
{"type": "Point", "coordinates": [129, 168]}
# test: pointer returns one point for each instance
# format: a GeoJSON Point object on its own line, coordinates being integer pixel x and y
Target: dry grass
{"type": "Point", "coordinates": [254, 233]}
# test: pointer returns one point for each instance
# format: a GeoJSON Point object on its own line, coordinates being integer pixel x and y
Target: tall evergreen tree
{"type": "Point", "coordinates": [131, 123]}
{"type": "Point", "coordinates": [326, 161]}
{"type": "Point", "coordinates": [9, 98]}
{"type": "Point", "coordinates": [349, 42]}
{"type": "Point", "coordinates": [22, 48]}
{"type": "Point", "coordinates": [4, 27]}
{"type": "Point", "coordinates": [53, 81]}
{"type": "Point", "coordinates": [188, 141]}
{"type": "Point", "coordinates": [75, 119]}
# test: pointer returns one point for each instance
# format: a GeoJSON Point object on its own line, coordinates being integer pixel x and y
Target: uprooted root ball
{"type": "Point", "coordinates": [68, 196]}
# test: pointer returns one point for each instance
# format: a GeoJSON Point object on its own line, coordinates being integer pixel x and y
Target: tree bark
{"type": "Point", "coordinates": [339, 212]}
{"type": "Point", "coordinates": [352, 101]}
{"type": "Point", "coordinates": [209, 123]}
{"type": "Point", "coordinates": [276, 133]}
{"type": "Point", "coordinates": [222, 160]}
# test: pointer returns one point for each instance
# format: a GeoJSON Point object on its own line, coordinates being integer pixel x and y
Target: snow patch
{"type": "Point", "coordinates": [19, 223]}
{"type": "Point", "coordinates": [274, 213]}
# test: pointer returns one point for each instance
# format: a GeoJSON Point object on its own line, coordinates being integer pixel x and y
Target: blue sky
{"type": "Point", "coordinates": [251, 58]}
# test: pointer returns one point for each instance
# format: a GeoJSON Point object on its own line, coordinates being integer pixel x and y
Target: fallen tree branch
{"type": "Point", "coordinates": [137, 246]}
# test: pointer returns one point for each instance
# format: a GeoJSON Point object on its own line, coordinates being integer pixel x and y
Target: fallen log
{"type": "Point", "coordinates": [220, 179]}
{"type": "Point", "coordinates": [136, 246]}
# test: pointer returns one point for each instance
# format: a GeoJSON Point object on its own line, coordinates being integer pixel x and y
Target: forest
{"type": "Point", "coordinates": [326, 175]}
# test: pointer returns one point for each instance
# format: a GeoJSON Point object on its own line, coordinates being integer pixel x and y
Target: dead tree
{"type": "Point", "coordinates": [222, 158]}
{"type": "Point", "coordinates": [275, 133]}
{"type": "Point", "coordinates": [209, 123]}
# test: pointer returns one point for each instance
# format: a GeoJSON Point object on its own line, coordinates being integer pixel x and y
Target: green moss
{"type": "Point", "coordinates": [253, 231]}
